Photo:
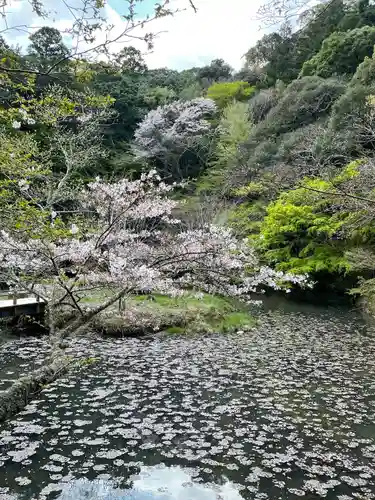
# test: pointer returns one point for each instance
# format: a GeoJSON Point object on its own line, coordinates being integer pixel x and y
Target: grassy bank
{"type": "Point", "coordinates": [187, 314]}
{"type": "Point", "coordinates": [147, 314]}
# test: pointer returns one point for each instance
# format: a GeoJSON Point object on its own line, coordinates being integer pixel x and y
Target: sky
{"type": "Point", "coordinates": [220, 29]}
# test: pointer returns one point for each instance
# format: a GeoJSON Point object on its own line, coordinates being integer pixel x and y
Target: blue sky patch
{"type": "Point", "coordinates": [142, 8]}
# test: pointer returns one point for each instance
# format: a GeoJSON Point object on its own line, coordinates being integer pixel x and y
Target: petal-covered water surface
{"type": "Point", "coordinates": [284, 411]}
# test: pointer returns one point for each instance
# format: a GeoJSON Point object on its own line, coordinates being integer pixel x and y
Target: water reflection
{"type": "Point", "coordinates": [159, 482]}
{"type": "Point", "coordinates": [283, 411]}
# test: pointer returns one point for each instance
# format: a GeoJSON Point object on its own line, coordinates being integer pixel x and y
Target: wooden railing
{"type": "Point", "coordinates": [22, 295]}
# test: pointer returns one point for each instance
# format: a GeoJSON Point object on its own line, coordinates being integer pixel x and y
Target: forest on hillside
{"type": "Point", "coordinates": [282, 151]}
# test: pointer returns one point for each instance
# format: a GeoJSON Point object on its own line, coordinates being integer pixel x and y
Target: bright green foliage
{"type": "Point", "coordinates": [251, 190]}
{"type": "Point", "coordinates": [225, 93]}
{"type": "Point", "coordinates": [20, 172]}
{"type": "Point", "coordinates": [233, 129]}
{"type": "Point", "coordinates": [341, 53]}
{"type": "Point", "coordinates": [246, 219]}
{"type": "Point", "coordinates": [301, 234]}
{"type": "Point", "coordinates": [18, 157]}
{"type": "Point", "coordinates": [247, 216]}
{"type": "Point", "coordinates": [351, 171]}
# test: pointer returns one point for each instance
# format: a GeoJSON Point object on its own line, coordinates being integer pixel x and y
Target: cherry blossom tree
{"type": "Point", "coordinates": [126, 238]}
{"type": "Point", "coordinates": [177, 137]}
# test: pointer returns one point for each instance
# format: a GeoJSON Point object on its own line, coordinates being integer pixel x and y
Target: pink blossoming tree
{"type": "Point", "coordinates": [125, 239]}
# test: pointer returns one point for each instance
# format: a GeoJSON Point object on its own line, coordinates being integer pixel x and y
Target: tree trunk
{"type": "Point", "coordinates": [24, 389]}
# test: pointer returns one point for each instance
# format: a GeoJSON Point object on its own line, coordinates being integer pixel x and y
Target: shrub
{"type": "Point", "coordinates": [158, 96]}
{"type": "Point", "coordinates": [365, 73]}
{"type": "Point", "coordinates": [262, 103]}
{"type": "Point", "coordinates": [225, 93]}
{"type": "Point", "coordinates": [300, 232]}
{"type": "Point", "coordinates": [303, 102]}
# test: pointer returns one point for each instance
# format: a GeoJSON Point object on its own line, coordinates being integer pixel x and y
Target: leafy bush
{"type": "Point", "coordinates": [312, 150]}
{"type": "Point", "coordinates": [158, 96]}
{"type": "Point", "coordinates": [301, 233]}
{"type": "Point", "coordinates": [350, 109]}
{"type": "Point", "coordinates": [354, 112]}
{"type": "Point", "coordinates": [341, 53]}
{"type": "Point", "coordinates": [246, 218]}
{"type": "Point", "coordinates": [275, 143]}
{"type": "Point", "coordinates": [261, 104]}
{"type": "Point", "coordinates": [365, 73]}
{"type": "Point", "coordinates": [225, 93]}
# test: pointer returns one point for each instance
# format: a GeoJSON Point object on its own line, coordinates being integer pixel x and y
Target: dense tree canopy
{"type": "Point", "coordinates": [341, 53]}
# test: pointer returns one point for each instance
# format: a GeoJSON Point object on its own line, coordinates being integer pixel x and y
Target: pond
{"type": "Point", "coordinates": [284, 411]}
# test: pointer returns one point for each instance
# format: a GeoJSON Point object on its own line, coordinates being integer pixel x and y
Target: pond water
{"type": "Point", "coordinates": [284, 411]}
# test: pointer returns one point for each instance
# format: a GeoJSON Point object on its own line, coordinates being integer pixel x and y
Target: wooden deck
{"type": "Point", "coordinates": [20, 306]}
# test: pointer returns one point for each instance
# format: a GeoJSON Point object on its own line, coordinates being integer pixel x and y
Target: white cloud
{"type": "Point", "coordinates": [220, 29]}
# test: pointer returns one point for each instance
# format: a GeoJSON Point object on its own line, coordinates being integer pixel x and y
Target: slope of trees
{"type": "Point", "coordinates": [280, 131]}
{"type": "Point", "coordinates": [301, 184]}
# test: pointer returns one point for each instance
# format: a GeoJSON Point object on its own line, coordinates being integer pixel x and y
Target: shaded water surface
{"type": "Point", "coordinates": [284, 411]}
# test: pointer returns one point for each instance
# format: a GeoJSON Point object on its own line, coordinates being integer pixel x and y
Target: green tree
{"type": "Point", "coordinates": [158, 96]}
{"type": "Point", "coordinates": [217, 70]}
{"type": "Point", "coordinates": [130, 59]}
{"type": "Point", "coordinates": [47, 48]}
{"type": "Point", "coordinates": [127, 89]}
{"type": "Point", "coordinates": [358, 14]}
{"type": "Point", "coordinates": [281, 55]}
{"type": "Point", "coordinates": [341, 53]}
{"type": "Point", "coordinates": [233, 130]}
{"type": "Point", "coordinates": [300, 233]}
{"type": "Point", "coordinates": [273, 55]}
